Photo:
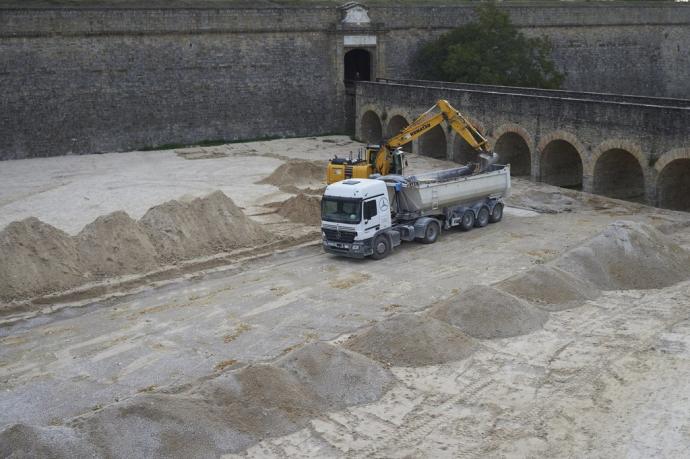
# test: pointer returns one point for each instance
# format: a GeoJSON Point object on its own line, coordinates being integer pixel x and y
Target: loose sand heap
{"type": "Point", "coordinates": [204, 226]}
{"type": "Point", "coordinates": [338, 376]}
{"type": "Point", "coordinates": [297, 175]}
{"type": "Point", "coordinates": [223, 415]}
{"type": "Point", "coordinates": [411, 340]}
{"type": "Point", "coordinates": [38, 259]}
{"type": "Point", "coordinates": [485, 312]}
{"type": "Point", "coordinates": [628, 255]}
{"type": "Point", "coordinates": [115, 244]}
{"type": "Point", "coordinates": [301, 209]}
{"type": "Point", "coordinates": [23, 441]}
{"type": "Point", "coordinates": [549, 288]}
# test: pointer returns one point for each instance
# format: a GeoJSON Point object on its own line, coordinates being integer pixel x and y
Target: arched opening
{"type": "Point", "coordinates": [561, 165]}
{"type": "Point", "coordinates": [357, 65]}
{"type": "Point", "coordinates": [512, 149]}
{"type": "Point", "coordinates": [673, 185]}
{"type": "Point", "coordinates": [433, 143]}
{"type": "Point", "coordinates": [463, 152]}
{"type": "Point", "coordinates": [395, 125]}
{"type": "Point", "coordinates": [371, 128]}
{"type": "Point", "coordinates": [618, 174]}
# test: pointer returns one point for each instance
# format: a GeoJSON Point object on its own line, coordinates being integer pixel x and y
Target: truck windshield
{"type": "Point", "coordinates": [341, 210]}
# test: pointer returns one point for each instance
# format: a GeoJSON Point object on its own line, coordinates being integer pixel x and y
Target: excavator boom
{"type": "Point", "coordinates": [387, 158]}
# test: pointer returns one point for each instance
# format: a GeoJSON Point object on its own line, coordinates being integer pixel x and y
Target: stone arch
{"type": "Point", "coordinates": [434, 143]}
{"type": "Point", "coordinates": [462, 152]}
{"type": "Point", "coordinates": [561, 160]}
{"type": "Point", "coordinates": [370, 127]}
{"type": "Point", "coordinates": [673, 180]}
{"type": "Point", "coordinates": [514, 146]}
{"type": "Point", "coordinates": [618, 170]}
{"type": "Point", "coordinates": [396, 123]}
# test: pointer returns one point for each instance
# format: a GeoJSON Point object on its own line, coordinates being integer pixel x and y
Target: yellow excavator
{"type": "Point", "coordinates": [388, 157]}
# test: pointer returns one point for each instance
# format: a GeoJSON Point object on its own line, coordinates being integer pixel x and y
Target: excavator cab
{"type": "Point", "coordinates": [346, 168]}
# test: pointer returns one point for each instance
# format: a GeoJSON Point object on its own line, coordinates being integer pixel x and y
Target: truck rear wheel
{"type": "Point", "coordinates": [467, 221]}
{"type": "Point", "coordinates": [431, 233]}
{"type": "Point", "coordinates": [497, 213]}
{"type": "Point", "coordinates": [382, 247]}
{"type": "Point", "coordinates": [482, 218]}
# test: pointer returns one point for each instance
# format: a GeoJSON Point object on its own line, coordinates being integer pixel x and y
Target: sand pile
{"type": "Point", "coordinates": [627, 255]}
{"type": "Point", "coordinates": [23, 441]}
{"type": "Point", "coordinates": [204, 226]}
{"type": "Point", "coordinates": [159, 425]}
{"type": "Point", "coordinates": [237, 409]}
{"type": "Point", "coordinates": [224, 415]}
{"type": "Point", "coordinates": [115, 244]}
{"type": "Point", "coordinates": [549, 288]}
{"type": "Point", "coordinates": [340, 377]}
{"type": "Point", "coordinates": [296, 175]}
{"type": "Point", "coordinates": [37, 258]}
{"type": "Point", "coordinates": [411, 340]}
{"type": "Point", "coordinates": [485, 312]}
{"type": "Point", "coordinates": [301, 209]}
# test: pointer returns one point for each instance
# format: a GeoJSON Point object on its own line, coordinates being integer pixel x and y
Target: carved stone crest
{"type": "Point", "coordinates": [354, 14]}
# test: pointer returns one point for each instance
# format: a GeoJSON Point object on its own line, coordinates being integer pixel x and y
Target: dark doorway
{"type": "Point", "coordinates": [673, 185]}
{"type": "Point", "coordinates": [357, 65]}
{"type": "Point", "coordinates": [618, 174]}
{"type": "Point", "coordinates": [561, 165]}
{"type": "Point", "coordinates": [512, 149]}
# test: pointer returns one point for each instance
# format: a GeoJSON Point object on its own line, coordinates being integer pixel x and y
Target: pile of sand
{"type": "Point", "coordinates": [627, 255]}
{"type": "Point", "coordinates": [162, 425]}
{"type": "Point", "coordinates": [340, 377]}
{"type": "Point", "coordinates": [411, 340]}
{"type": "Point", "coordinates": [298, 175]}
{"type": "Point", "coordinates": [38, 259]}
{"type": "Point", "coordinates": [301, 209]}
{"type": "Point", "coordinates": [549, 288]}
{"type": "Point", "coordinates": [236, 409]}
{"type": "Point", "coordinates": [114, 245]}
{"type": "Point", "coordinates": [204, 226]}
{"type": "Point", "coordinates": [23, 441]}
{"type": "Point", "coordinates": [485, 312]}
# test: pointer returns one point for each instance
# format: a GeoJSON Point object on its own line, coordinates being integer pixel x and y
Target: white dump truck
{"type": "Point", "coordinates": [369, 217]}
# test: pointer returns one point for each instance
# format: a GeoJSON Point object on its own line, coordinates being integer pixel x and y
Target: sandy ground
{"type": "Point", "coordinates": [606, 379]}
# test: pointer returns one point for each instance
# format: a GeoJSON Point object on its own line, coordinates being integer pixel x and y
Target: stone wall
{"type": "Point", "coordinates": [94, 79]}
{"type": "Point", "coordinates": [561, 139]}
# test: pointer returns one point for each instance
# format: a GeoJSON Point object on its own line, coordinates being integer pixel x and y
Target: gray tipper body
{"type": "Point", "coordinates": [405, 206]}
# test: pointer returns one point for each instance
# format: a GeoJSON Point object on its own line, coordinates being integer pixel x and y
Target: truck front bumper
{"type": "Point", "coordinates": [356, 249]}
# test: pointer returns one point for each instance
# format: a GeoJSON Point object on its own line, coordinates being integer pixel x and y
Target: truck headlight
{"type": "Point", "coordinates": [355, 247]}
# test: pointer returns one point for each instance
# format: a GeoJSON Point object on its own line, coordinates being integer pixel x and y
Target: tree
{"type": "Point", "coordinates": [489, 50]}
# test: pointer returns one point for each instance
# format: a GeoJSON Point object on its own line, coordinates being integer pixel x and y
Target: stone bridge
{"type": "Point", "coordinates": [626, 147]}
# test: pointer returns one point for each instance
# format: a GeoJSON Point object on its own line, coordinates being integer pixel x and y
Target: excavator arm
{"type": "Point", "coordinates": [428, 120]}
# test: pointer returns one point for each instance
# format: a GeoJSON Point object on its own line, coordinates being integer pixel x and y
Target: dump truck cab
{"type": "Point", "coordinates": [353, 213]}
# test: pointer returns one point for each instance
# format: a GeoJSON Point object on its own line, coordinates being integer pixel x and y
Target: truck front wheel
{"type": "Point", "coordinates": [431, 233]}
{"type": "Point", "coordinates": [382, 247]}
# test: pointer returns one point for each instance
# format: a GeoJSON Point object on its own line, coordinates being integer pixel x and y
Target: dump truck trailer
{"type": "Point", "coordinates": [369, 217]}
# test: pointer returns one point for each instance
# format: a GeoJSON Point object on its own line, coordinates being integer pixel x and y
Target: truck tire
{"type": "Point", "coordinates": [496, 214]}
{"type": "Point", "coordinates": [431, 233]}
{"type": "Point", "coordinates": [482, 218]}
{"type": "Point", "coordinates": [382, 247]}
{"type": "Point", "coordinates": [467, 221]}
